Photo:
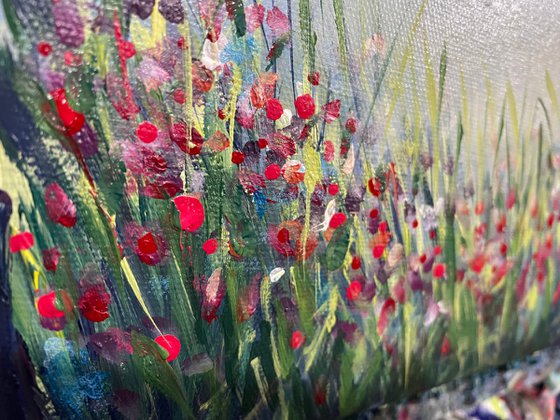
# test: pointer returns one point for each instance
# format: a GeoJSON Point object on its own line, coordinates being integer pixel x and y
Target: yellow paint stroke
{"type": "Point", "coordinates": [131, 280]}
{"type": "Point", "coordinates": [158, 28]}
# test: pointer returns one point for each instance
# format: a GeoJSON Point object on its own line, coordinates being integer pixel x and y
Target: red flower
{"type": "Point", "coordinates": [351, 125]}
{"type": "Point", "coordinates": [94, 303]}
{"type": "Point", "coordinates": [21, 242]}
{"type": "Point", "coordinates": [353, 290]}
{"type": "Point", "coordinates": [305, 106]}
{"type": "Point", "coordinates": [333, 189]}
{"type": "Point", "coordinates": [439, 270]}
{"type": "Point", "coordinates": [147, 132]}
{"type": "Point", "coordinates": [274, 109]}
{"type": "Point", "coordinates": [477, 263]}
{"type": "Point", "coordinates": [445, 348]}
{"type": "Point", "coordinates": [329, 151]}
{"type": "Point", "coordinates": [314, 78]}
{"type": "Point", "coordinates": [73, 121]}
{"type": "Point", "coordinates": [44, 48]}
{"type": "Point", "coordinates": [59, 207]}
{"type": "Point", "coordinates": [297, 340]}
{"type": "Point", "coordinates": [272, 172]}
{"type": "Point", "coordinates": [210, 246]}
{"type": "Point", "coordinates": [171, 344]}
{"type": "Point", "coordinates": [375, 187]}
{"type": "Point", "coordinates": [50, 259]}
{"type": "Point", "coordinates": [332, 111]}
{"type": "Point", "coordinates": [337, 220]}
{"type": "Point", "coordinates": [378, 251]}
{"type": "Point", "coordinates": [237, 157]}
{"type": "Point", "coordinates": [286, 239]}
{"type": "Point", "coordinates": [148, 250]}
{"type": "Point", "coordinates": [46, 306]}
{"type": "Point", "coordinates": [356, 262]}
{"type": "Point", "coordinates": [191, 212]}
{"type": "Point", "coordinates": [387, 309]}
{"type": "Point", "coordinates": [190, 143]}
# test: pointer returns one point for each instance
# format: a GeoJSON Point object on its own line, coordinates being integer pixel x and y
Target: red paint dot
{"type": "Point", "coordinates": [333, 189]}
{"type": "Point", "coordinates": [263, 143]}
{"type": "Point", "coordinates": [503, 249]}
{"type": "Point", "coordinates": [274, 109]}
{"type": "Point", "coordinates": [374, 213]}
{"type": "Point", "coordinates": [305, 106]}
{"type": "Point", "coordinates": [283, 235]}
{"type": "Point", "coordinates": [423, 258]}
{"type": "Point", "coordinates": [356, 263]}
{"type": "Point", "coordinates": [433, 234]}
{"type": "Point", "coordinates": [50, 259]}
{"type": "Point", "coordinates": [439, 270]}
{"type": "Point", "coordinates": [353, 290]}
{"type": "Point", "coordinates": [437, 250]}
{"type": "Point", "coordinates": [237, 157]}
{"type": "Point", "coordinates": [181, 43]}
{"type": "Point", "coordinates": [191, 212]}
{"type": "Point", "coordinates": [272, 172]}
{"type": "Point", "coordinates": [147, 244]}
{"type": "Point", "coordinates": [44, 48]}
{"type": "Point", "coordinates": [337, 220]}
{"type": "Point", "coordinates": [171, 344]}
{"type": "Point", "coordinates": [314, 78]}
{"type": "Point", "coordinates": [297, 340]}
{"type": "Point", "coordinates": [179, 96]}
{"type": "Point", "coordinates": [414, 224]}
{"type": "Point", "coordinates": [351, 125]}
{"type": "Point", "coordinates": [46, 306]}
{"type": "Point", "coordinates": [128, 49]}
{"type": "Point", "coordinates": [147, 132]}
{"type": "Point", "coordinates": [329, 151]}
{"type": "Point", "coordinates": [21, 242]}
{"type": "Point", "coordinates": [210, 246]}
{"type": "Point", "coordinates": [378, 251]}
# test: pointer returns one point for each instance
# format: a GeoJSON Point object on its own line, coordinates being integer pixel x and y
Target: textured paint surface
{"type": "Point", "coordinates": [255, 209]}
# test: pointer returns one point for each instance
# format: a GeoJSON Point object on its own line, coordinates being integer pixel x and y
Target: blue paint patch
{"type": "Point", "coordinates": [260, 203]}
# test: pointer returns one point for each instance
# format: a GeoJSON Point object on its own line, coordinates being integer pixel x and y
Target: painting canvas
{"type": "Point", "coordinates": [272, 209]}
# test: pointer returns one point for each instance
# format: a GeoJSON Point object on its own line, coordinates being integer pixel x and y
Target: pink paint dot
{"type": "Point", "coordinates": [297, 340]}
{"type": "Point", "coordinates": [272, 172]}
{"type": "Point", "coordinates": [337, 220]}
{"type": "Point", "coordinates": [191, 212]}
{"type": "Point", "coordinates": [237, 157]}
{"type": "Point", "coordinates": [147, 132]}
{"type": "Point", "coordinates": [210, 246]}
{"type": "Point", "coordinates": [305, 106]}
{"type": "Point", "coordinates": [21, 242]}
{"type": "Point", "coordinates": [274, 109]}
{"type": "Point", "coordinates": [46, 306]}
{"type": "Point", "coordinates": [333, 189]}
{"type": "Point", "coordinates": [329, 151]}
{"type": "Point", "coordinates": [171, 344]}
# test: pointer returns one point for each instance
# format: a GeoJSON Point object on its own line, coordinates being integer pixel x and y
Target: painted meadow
{"type": "Point", "coordinates": [221, 225]}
